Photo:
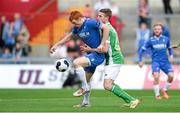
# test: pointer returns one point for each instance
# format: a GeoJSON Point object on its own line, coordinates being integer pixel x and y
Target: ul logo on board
{"type": "Point", "coordinates": [30, 77]}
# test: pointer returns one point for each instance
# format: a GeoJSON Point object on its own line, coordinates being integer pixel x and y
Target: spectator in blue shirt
{"type": "Point", "coordinates": [142, 35]}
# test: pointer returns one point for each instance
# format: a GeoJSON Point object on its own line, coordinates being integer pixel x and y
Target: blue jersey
{"type": "Point", "coordinates": [89, 32]}
{"type": "Point", "coordinates": [158, 47]}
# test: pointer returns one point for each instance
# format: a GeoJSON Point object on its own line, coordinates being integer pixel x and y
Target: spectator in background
{"type": "Point", "coordinates": [167, 7]}
{"type": "Point", "coordinates": [115, 13]}
{"type": "Point", "coordinates": [18, 23]}
{"type": "Point", "coordinates": [17, 52]}
{"type": "Point", "coordinates": [8, 37]}
{"type": "Point", "coordinates": [142, 35]}
{"type": "Point", "coordinates": [101, 4]}
{"type": "Point", "coordinates": [3, 22]}
{"type": "Point", "coordinates": [73, 49]}
{"type": "Point", "coordinates": [23, 39]}
{"type": "Point", "coordinates": [143, 12]}
{"type": "Point", "coordinates": [115, 20]}
{"type": "Point", "coordinates": [6, 55]}
{"type": "Point", "coordinates": [88, 11]}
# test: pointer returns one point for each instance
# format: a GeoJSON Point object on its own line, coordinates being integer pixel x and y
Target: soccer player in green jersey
{"type": "Point", "coordinates": [176, 46]}
{"type": "Point", "coordinates": [114, 60]}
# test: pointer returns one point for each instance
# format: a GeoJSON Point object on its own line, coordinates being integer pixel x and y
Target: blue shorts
{"type": "Point", "coordinates": [95, 60]}
{"type": "Point", "coordinates": [165, 66]}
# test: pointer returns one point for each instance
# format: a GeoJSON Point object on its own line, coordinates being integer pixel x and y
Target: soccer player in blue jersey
{"type": "Point", "coordinates": [89, 31]}
{"type": "Point", "coordinates": [114, 60]}
{"type": "Point", "coordinates": [159, 44]}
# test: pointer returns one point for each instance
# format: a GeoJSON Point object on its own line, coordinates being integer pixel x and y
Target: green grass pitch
{"type": "Point", "coordinates": [38, 100]}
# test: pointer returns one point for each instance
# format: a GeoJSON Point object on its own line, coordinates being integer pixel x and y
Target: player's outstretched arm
{"type": "Point", "coordinates": [61, 42]}
{"type": "Point", "coordinates": [105, 35]}
{"type": "Point", "coordinates": [86, 48]}
{"type": "Point", "coordinates": [176, 46]}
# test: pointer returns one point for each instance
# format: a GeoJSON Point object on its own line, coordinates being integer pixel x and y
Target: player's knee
{"type": "Point", "coordinates": [156, 78]}
{"type": "Point", "coordinates": [170, 77]}
{"type": "Point", "coordinates": [76, 64]}
{"type": "Point", "coordinates": [107, 85]}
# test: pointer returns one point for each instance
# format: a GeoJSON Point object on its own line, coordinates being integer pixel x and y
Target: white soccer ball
{"type": "Point", "coordinates": [62, 65]}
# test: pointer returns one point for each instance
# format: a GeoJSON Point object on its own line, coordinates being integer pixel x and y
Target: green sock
{"type": "Point", "coordinates": [122, 94]}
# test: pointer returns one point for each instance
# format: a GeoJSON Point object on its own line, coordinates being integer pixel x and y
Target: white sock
{"type": "Point", "coordinates": [167, 86]}
{"type": "Point", "coordinates": [86, 98]}
{"type": "Point", "coordinates": [82, 76]}
{"type": "Point", "coordinates": [156, 90]}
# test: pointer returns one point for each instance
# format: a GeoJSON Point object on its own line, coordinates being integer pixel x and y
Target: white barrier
{"type": "Point", "coordinates": [46, 76]}
{"type": "Point", "coordinates": [30, 76]}
{"type": "Point", "coordinates": [133, 77]}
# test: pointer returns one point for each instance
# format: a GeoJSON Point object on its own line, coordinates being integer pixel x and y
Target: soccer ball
{"type": "Point", "coordinates": [62, 65]}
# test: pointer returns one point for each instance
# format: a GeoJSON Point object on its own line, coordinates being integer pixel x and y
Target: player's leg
{"type": "Point", "coordinates": [109, 85]}
{"type": "Point", "coordinates": [167, 68]}
{"type": "Point", "coordinates": [169, 81]}
{"type": "Point", "coordinates": [86, 97]}
{"type": "Point", "coordinates": [79, 64]}
{"type": "Point", "coordinates": [156, 76]}
{"type": "Point", "coordinates": [90, 61]}
{"type": "Point", "coordinates": [114, 88]}
{"type": "Point", "coordinates": [156, 88]}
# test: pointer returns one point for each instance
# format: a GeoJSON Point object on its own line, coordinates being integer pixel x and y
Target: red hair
{"type": "Point", "coordinates": [74, 15]}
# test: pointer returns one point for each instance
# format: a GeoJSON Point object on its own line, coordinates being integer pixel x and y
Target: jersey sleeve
{"type": "Point", "coordinates": [142, 49]}
{"type": "Point", "coordinates": [94, 23]}
{"type": "Point", "coordinates": [169, 48]}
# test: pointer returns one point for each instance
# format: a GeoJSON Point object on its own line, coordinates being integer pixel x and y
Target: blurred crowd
{"type": "Point", "coordinates": [14, 37]}
{"type": "Point", "coordinates": [144, 30]}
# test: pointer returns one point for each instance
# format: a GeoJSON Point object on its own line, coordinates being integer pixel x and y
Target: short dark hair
{"type": "Point", "coordinates": [107, 12]}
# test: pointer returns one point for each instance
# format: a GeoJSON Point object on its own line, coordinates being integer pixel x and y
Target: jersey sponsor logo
{"type": "Point", "coordinates": [84, 34]}
{"type": "Point", "coordinates": [159, 46]}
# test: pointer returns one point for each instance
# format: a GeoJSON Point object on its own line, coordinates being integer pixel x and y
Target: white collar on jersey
{"type": "Point", "coordinates": [158, 37]}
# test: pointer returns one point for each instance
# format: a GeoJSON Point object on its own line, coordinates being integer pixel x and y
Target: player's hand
{"type": "Point", "coordinates": [85, 48]}
{"type": "Point", "coordinates": [174, 46]}
{"type": "Point", "coordinates": [53, 49]}
{"type": "Point", "coordinates": [140, 64]}
{"type": "Point", "coordinates": [100, 48]}
{"type": "Point", "coordinates": [171, 59]}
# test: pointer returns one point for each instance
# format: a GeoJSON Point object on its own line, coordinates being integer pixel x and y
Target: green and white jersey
{"type": "Point", "coordinates": [114, 55]}
{"type": "Point", "coordinates": [179, 43]}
